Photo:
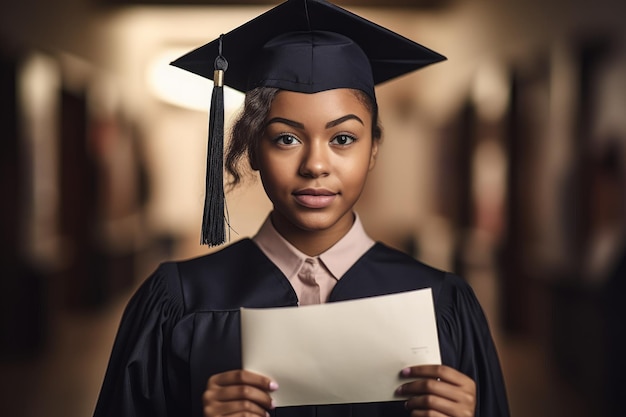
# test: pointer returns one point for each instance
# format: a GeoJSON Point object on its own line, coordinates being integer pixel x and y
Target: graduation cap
{"type": "Point", "coordinates": [305, 46]}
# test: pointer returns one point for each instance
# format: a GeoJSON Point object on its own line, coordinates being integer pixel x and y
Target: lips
{"type": "Point", "coordinates": [314, 198]}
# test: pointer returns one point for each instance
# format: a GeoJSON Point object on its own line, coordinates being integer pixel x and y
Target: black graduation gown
{"type": "Point", "coordinates": [182, 326]}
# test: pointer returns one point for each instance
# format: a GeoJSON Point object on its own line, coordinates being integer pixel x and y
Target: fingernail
{"type": "Point", "coordinates": [273, 386]}
{"type": "Point", "coordinates": [405, 372]}
{"type": "Point", "coordinates": [399, 390]}
{"type": "Point", "coordinates": [273, 405]}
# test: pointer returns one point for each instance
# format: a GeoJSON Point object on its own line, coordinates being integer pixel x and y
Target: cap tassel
{"type": "Point", "coordinates": [214, 218]}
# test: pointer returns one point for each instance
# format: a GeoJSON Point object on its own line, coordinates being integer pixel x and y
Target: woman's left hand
{"type": "Point", "coordinates": [438, 390]}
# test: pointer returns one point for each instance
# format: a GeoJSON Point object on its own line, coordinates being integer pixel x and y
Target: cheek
{"type": "Point", "coordinates": [355, 173]}
{"type": "Point", "coordinates": [274, 174]}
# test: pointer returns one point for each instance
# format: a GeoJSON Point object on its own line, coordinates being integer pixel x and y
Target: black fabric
{"type": "Point", "coordinates": [182, 326]}
{"type": "Point", "coordinates": [388, 53]}
{"type": "Point", "coordinates": [310, 62]}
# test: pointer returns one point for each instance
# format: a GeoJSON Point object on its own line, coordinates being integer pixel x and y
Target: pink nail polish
{"type": "Point", "coordinates": [405, 372]}
{"type": "Point", "coordinates": [273, 386]}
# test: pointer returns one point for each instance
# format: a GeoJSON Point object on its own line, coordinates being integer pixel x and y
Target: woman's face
{"type": "Point", "coordinates": [313, 158]}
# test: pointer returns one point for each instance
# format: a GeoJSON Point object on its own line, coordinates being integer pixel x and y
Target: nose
{"type": "Point", "coordinates": [315, 160]}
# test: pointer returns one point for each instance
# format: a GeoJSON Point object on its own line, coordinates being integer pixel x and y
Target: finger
{"type": "Point", "coordinates": [240, 393]}
{"type": "Point", "coordinates": [441, 372]}
{"type": "Point", "coordinates": [248, 408]}
{"type": "Point", "coordinates": [242, 377]}
{"type": "Point", "coordinates": [430, 386]}
{"type": "Point", "coordinates": [236, 399]}
{"type": "Point", "coordinates": [433, 405]}
{"type": "Point", "coordinates": [439, 394]}
{"type": "Point", "coordinates": [441, 389]}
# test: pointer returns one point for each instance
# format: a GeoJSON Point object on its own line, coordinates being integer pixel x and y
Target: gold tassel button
{"type": "Point", "coordinates": [218, 78]}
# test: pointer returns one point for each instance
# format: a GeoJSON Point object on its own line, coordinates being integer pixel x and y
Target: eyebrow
{"type": "Point", "coordinates": [330, 124]}
{"type": "Point", "coordinates": [288, 122]}
{"type": "Point", "coordinates": [343, 119]}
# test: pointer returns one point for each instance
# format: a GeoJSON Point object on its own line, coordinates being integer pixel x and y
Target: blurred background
{"type": "Point", "coordinates": [504, 164]}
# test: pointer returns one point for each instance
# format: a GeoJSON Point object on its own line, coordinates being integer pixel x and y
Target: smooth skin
{"type": "Point", "coordinates": [314, 159]}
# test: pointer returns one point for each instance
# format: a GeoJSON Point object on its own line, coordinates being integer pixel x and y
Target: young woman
{"type": "Point", "coordinates": [310, 128]}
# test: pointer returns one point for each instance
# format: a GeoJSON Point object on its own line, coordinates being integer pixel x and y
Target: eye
{"type": "Point", "coordinates": [343, 140]}
{"type": "Point", "coordinates": [286, 139]}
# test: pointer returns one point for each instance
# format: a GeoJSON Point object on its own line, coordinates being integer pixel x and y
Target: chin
{"type": "Point", "coordinates": [314, 225]}
{"type": "Point", "coordinates": [317, 222]}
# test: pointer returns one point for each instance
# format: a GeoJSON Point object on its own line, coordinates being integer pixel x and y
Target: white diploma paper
{"type": "Point", "coordinates": [344, 352]}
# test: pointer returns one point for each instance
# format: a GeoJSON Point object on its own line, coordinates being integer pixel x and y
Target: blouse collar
{"type": "Point", "coordinates": [338, 259]}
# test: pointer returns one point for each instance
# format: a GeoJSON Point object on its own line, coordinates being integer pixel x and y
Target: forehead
{"type": "Point", "coordinates": [331, 104]}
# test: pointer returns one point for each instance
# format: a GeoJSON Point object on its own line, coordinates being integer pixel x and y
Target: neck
{"type": "Point", "coordinates": [312, 242]}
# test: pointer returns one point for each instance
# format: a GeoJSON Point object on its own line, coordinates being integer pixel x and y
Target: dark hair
{"type": "Point", "coordinates": [249, 126]}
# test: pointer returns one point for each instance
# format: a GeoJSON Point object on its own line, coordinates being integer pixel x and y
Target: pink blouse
{"type": "Point", "coordinates": [334, 263]}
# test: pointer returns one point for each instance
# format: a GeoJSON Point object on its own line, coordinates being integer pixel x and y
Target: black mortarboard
{"type": "Point", "coordinates": [305, 46]}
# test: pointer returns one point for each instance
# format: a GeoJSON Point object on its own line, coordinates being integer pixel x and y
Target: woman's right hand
{"type": "Point", "coordinates": [238, 392]}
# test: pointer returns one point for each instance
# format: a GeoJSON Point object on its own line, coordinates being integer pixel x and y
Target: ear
{"type": "Point", "coordinates": [374, 153]}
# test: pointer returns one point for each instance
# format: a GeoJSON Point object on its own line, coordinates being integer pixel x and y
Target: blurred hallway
{"type": "Point", "coordinates": [520, 137]}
